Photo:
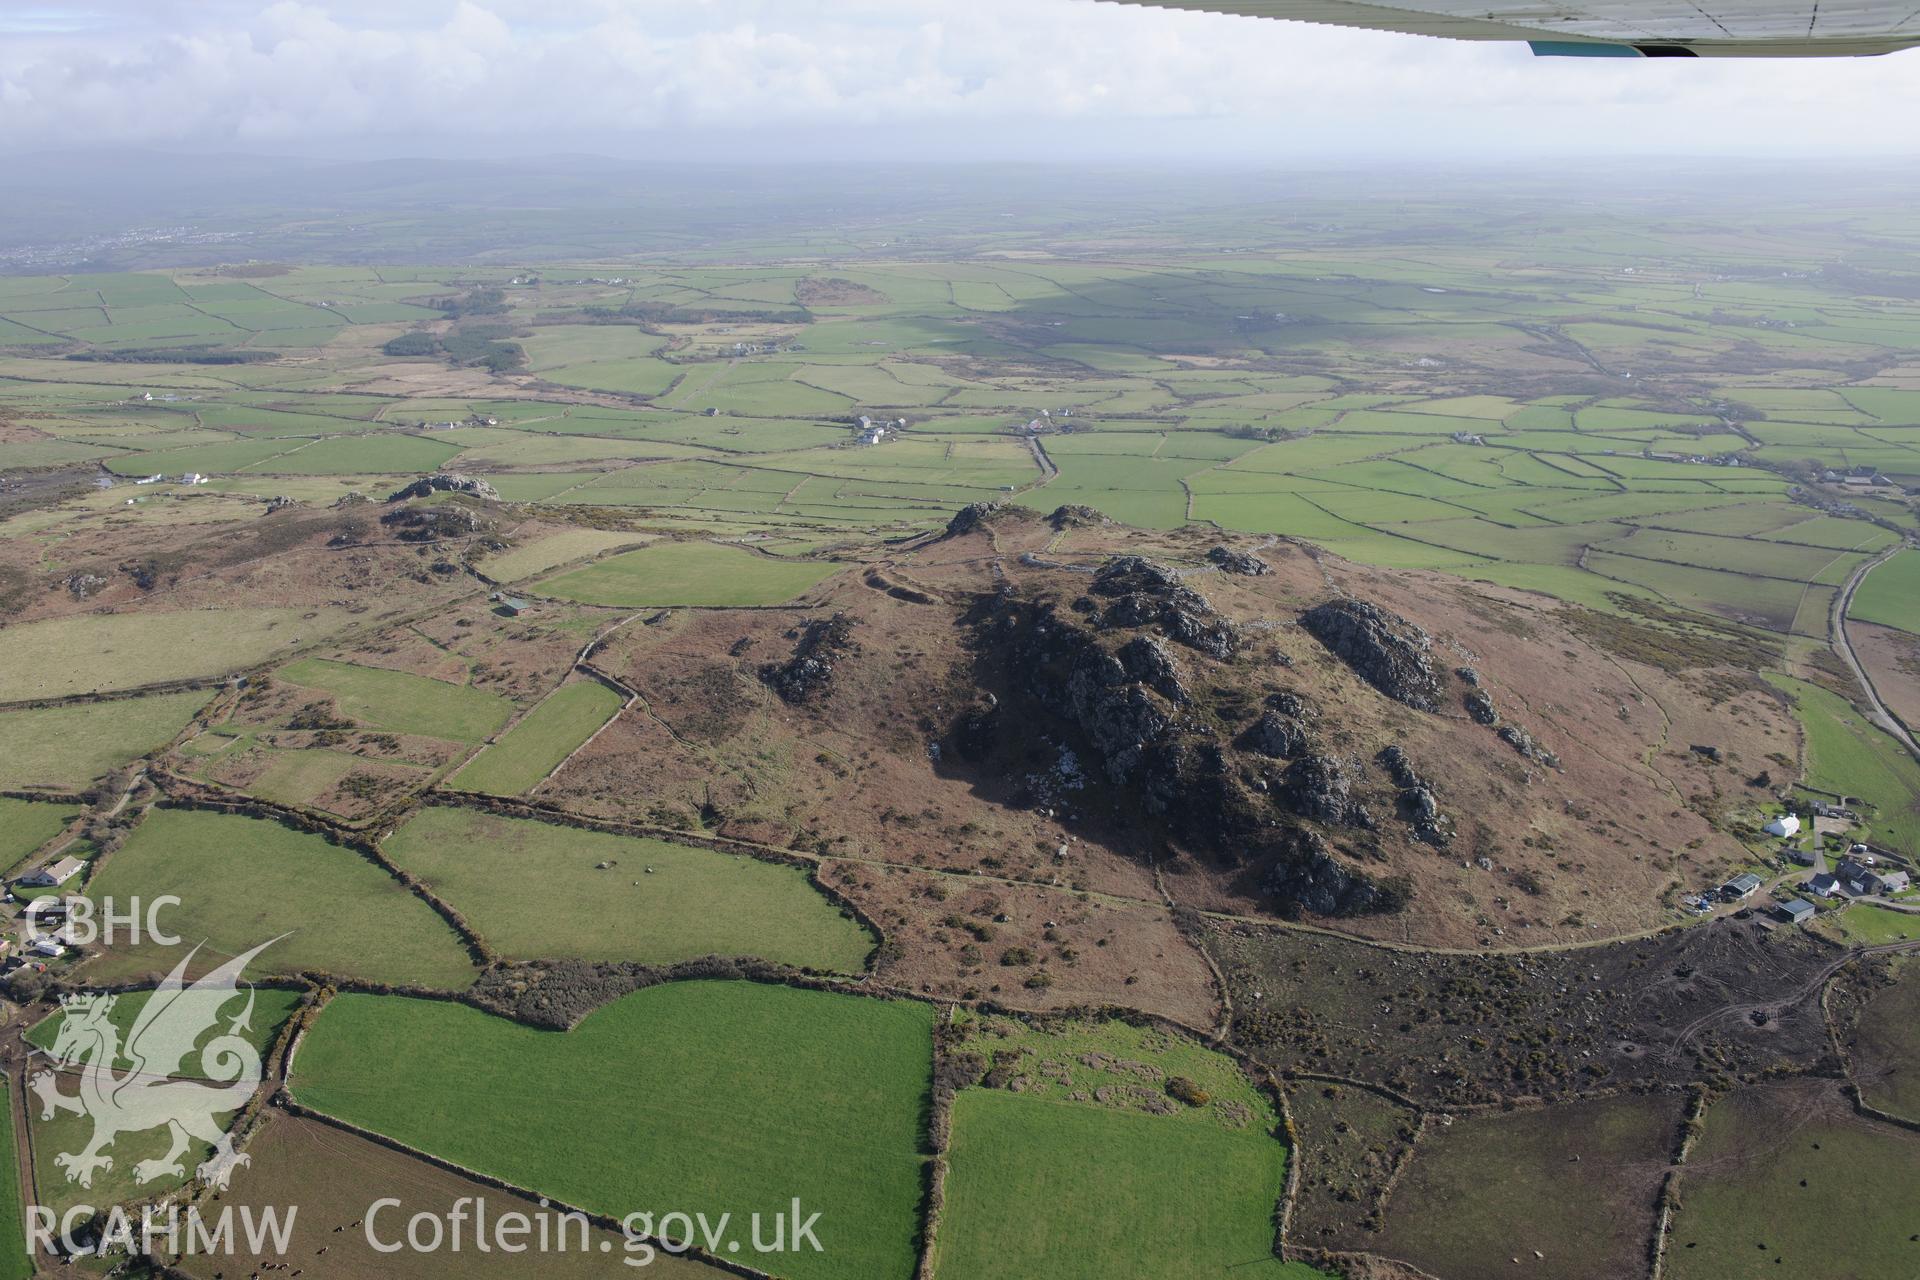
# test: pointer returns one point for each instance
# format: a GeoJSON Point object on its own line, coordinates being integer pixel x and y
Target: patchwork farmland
{"type": "Point", "coordinates": [1205, 744]}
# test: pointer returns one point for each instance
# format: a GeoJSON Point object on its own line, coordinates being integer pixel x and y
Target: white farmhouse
{"type": "Point", "coordinates": [55, 873]}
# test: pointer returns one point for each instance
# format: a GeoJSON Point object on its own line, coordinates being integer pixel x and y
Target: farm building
{"type": "Point", "coordinates": [1890, 881]}
{"type": "Point", "coordinates": [1744, 885]}
{"type": "Point", "coordinates": [54, 873]}
{"type": "Point", "coordinates": [1805, 857]}
{"type": "Point", "coordinates": [1785, 826]}
{"type": "Point", "coordinates": [1826, 884]}
{"type": "Point", "coordinates": [512, 606]}
{"type": "Point", "coordinates": [65, 937]}
{"type": "Point", "coordinates": [1863, 876]}
{"type": "Point", "coordinates": [1795, 910]}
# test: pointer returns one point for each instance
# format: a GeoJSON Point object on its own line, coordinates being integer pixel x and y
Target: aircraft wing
{"type": "Point", "coordinates": [1618, 28]}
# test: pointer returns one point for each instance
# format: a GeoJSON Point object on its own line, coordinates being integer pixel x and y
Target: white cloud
{"type": "Point", "coordinates": [985, 75]}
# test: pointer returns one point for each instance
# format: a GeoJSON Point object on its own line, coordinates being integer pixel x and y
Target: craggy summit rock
{"type": "Point", "coordinates": [1145, 592]}
{"type": "Point", "coordinates": [1114, 715]}
{"type": "Point", "coordinates": [1075, 516]}
{"type": "Point", "coordinates": [445, 482]}
{"type": "Point", "coordinates": [978, 515]}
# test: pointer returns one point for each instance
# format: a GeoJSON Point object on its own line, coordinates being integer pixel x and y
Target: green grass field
{"type": "Point", "coordinates": [1890, 594]}
{"type": "Point", "coordinates": [1488, 1188]}
{"type": "Point", "coordinates": [535, 889]}
{"type": "Point", "coordinates": [15, 1264]}
{"type": "Point", "coordinates": [25, 825]}
{"type": "Point", "coordinates": [1771, 1177]}
{"type": "Point", "coordinates": [359, 455]}
{"type": "Point", "coordinates": [242, 881]}
{"type": "Point", "coordinates": [1888, 1042]}
{"type": "Point", "coordinates": [69, 746]}
{"type": "Point", "coordinates": [306, 777]}
{"type": "Point", "coordinates": [400, 702]}
{"type": "Point", "coordinates": [687, 573]}
{"type": "Point", "coordinates": [1849, 756]}
{"type": "Point", "coordinates": [1049, 1181]}
{"type": "Point", "coordinates": [333, 1177]}
{"type": "Point", "coordinates": [102, 652]}
{"type": "Point", "coordinates": [534, 747]}
{"type": "Point", "coordinates": [1159, 361]}
{"type": "Point", "coordinates": [699, 1096]}
{"type": "Point", "coordinates": [1060, 1189]}
{"type": "Point", "coordinates": [1871, 925]}
{"type": "Point", "coordinates": [67, 1132]}
{"type": "Point", "coordinates": [270, 1010]}
{"type": "Point", "coordinates": [552, 551]}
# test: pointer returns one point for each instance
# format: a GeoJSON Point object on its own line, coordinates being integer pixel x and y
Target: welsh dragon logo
{"type": "Point", "coordinates": [149, 1094]}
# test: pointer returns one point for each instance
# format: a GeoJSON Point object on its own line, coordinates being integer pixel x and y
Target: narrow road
{"type": "Point", "coordinates": [1040, 459]}
{"type": "Point", "coordinates": [1843, 645]}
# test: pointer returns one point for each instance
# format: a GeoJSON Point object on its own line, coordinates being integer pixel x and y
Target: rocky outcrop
{"type": "Point", "coordinates": [1277, 735]}
{"type": "Point", "coordinates": [1284, 729]}
{"type": "Point", "coordinates": [432, 524]}
{"type": "Point", "coordinates": [1137, 575]}
{"type": "Point", "coordinates": [1074, 516]}
{"type": "Point", "coordinates": [819, 648]}
{"type": "Point", "coordinates": [1145, 593]}
{"type": "Point", "coordinates": [1320, 787]}
{"type": "Point", "coordinates": [1101, 706]}
{"type": "Point", "coordinates": [1216, 639]}
{"type": "Point", "coordinates": [1384, 649]}
{"type": "Point", "coordinates": [1416, 803]}
{"type": "Point", "coordinates": [1244, 563]}
{"type": "Point", "coordinates": [1124, 700]}
{"type": "Point", "coordinates": [1147, 660]}
{"type": "Point", "coordinates": [1305, 877]}
{"type": "Point", "coordinates": [1527, 745]}
{"type": "Point", "coordinates": [978, 515]}
{"type": "Point", "coordinates": [445, 482]}
{"type": "Point", "coordinates": [1481, 707]}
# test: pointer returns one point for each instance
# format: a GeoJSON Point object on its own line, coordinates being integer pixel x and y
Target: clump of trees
{"type": "Point", "coordinates": [417, 343]}
{"type": "Point", "coordinates": [474, 302]}
{"type": "Point", "coordinates": [488, 346]}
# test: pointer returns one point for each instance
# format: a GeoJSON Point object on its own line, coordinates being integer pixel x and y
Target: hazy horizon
{"type": "Point", "coordinates": [813, 80]}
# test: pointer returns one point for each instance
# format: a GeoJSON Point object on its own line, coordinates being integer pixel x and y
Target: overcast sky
{"type": "Point", "coordinates": [921, 79]}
